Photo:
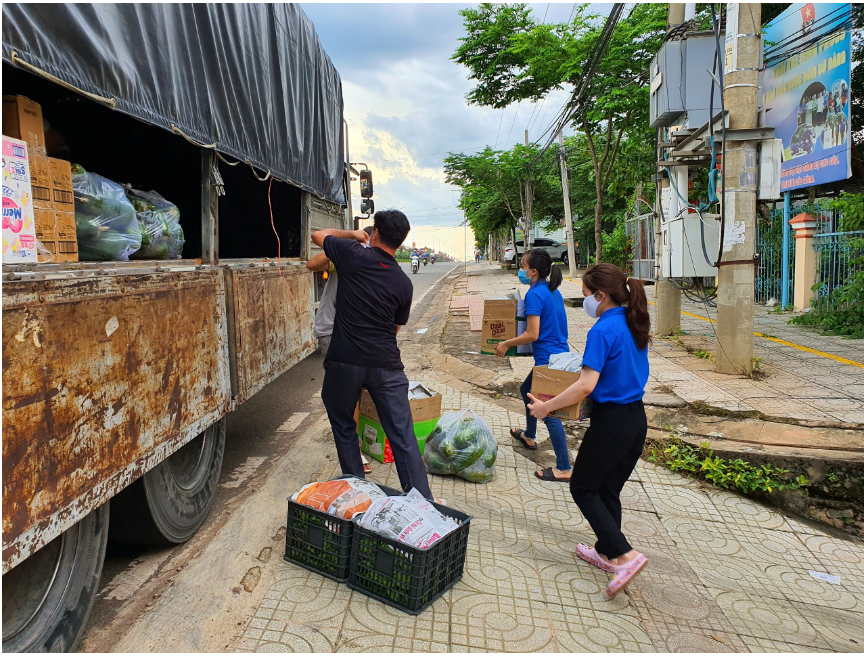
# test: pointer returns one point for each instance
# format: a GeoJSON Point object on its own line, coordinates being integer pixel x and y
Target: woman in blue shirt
{"type": "Point", "coordinates": [547, 332]}
{"type": "Point", "coordinates": [614, 373]}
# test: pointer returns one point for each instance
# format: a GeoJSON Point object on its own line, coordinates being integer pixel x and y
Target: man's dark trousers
{"type": "Point", "coordinates": [389, 391]}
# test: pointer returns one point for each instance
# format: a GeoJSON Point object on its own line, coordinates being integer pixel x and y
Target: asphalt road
{"type": "Point", "coordinates": [252, 445]}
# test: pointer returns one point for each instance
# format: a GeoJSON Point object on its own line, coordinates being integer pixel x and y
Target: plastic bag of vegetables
{"type": "Point", "coordinates": [462, 444]}
{"type": "Point", "coordinates": [105, 220]}
{"type": "Point", "coordinates": [159, 223]}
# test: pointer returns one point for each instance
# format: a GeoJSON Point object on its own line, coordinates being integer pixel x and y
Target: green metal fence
{"type": "Point", "coordinates": [769, 246]}
{"type": "Point", "coordinates": [840, 259]}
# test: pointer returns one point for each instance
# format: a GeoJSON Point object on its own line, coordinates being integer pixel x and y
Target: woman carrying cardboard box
{"type": "Point", "coordinates": [614, 373]}
{"type": "Point", "coordinates": [547, 332]}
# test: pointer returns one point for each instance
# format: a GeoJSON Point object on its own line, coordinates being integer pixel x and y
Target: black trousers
{"type": "Point", "coordinates": [389, 391]}
{"type": "Point", "coordinates": [607, 456]}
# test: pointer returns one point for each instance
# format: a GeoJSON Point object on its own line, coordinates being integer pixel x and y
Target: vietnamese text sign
{"type": "Point", "coordinates": [808, 96]}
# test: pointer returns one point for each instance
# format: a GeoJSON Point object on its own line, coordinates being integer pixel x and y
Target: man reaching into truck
{"type": "Point", "coordinates": [374, 302]}
{"type": "Point", "coordinates": [322, 327]}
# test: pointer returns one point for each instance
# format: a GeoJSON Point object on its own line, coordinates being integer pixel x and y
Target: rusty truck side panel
{"type": "Point", "coordinates": [103, 378]}
{"type": "Point", "coordinates": [273, 312]}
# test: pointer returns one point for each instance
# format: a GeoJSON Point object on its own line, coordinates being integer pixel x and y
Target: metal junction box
{"type": "Point", "coordinates": [681, 83]}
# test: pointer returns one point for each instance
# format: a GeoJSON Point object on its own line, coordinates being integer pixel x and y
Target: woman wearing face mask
{"type": "Point", "coordinates": [614, 373]}
{"type": "Point", "coordinates": [547, 331]}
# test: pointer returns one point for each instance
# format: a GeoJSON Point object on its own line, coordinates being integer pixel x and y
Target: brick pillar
{"type": "Point", "coordinates": [806, 261]}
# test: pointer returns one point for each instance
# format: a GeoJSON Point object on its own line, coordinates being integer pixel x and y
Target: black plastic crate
{"type": "Point", "coordinates": [406, 577]}
{"type": "Point", "coordinates": [321, 542]}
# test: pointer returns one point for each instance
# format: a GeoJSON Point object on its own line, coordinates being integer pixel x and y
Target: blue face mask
{"type": "Point", "coordinates": [524, 278]}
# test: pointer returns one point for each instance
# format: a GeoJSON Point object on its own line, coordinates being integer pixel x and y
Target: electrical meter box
{"type": "Point", "coordinates": [681, 244]}
{"type": "Point", "coordinates": [681, 82]}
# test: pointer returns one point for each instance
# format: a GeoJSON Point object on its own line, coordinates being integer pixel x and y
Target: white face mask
{"type": "Point", "coordinates": [590, 306]}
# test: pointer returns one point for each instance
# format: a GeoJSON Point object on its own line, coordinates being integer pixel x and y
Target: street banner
{"type": "Point", "coordinates": [807, 96]}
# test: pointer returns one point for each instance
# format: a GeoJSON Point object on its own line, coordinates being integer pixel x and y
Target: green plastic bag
{"type": "Point", "coordinates": [462, 445]}
{"type": "Point", "coordinates": [105, 222]}
{"type": "Point", "coordinates": [159, 223]}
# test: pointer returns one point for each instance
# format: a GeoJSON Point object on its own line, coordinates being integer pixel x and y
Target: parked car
{"type": "Point", "coordinates": [509, 255]}
{"type": "Point", "coordinates": [556, 250]}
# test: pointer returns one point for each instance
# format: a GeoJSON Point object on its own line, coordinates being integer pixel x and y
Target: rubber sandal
{"type": "Point", "coordinates": [624, 574]}
{"type": "Point", "coordinates": [549, 475]}
{"type": "Point", "coordinates": [519, 434]}
{"type": "Point", "coordinates": [590, 555]}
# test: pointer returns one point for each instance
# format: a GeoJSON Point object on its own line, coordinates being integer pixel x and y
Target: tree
{"type": "Point", "coordinates": [493, 188]}
{"type": "Point", "coordinates": [514, 58]}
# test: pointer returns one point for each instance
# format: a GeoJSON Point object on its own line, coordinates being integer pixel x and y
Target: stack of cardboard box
{"type": "Point", "coordinates": [50, 179]}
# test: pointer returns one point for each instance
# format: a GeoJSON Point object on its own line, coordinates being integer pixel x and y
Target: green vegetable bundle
{"type": "Point", "coordinates": [105, 221]}
{"type": "Point", "coordinates": [462, 444]}
{"type": "Point", "coordinates": [159, 225]}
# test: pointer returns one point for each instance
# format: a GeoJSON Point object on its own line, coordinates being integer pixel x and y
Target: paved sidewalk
{"type": "Point", "coordinates": [724, 574]}
{"type": "Point", "coordinates": [794, 381]}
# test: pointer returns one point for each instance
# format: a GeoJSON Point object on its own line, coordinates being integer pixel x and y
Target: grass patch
{"type": "Point", "coordinates": [700, 462]}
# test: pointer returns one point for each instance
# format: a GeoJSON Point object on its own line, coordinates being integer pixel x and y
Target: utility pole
{"type": "Point", "coordinates": [568, 217]}
{"type": "Point", "coordinates": [736, 270]}
{"type": "Point", "coordinates": [529, 206]}
{"type": "Point", "coordinates": [668, 296]}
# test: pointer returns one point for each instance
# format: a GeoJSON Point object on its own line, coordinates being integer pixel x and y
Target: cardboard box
{"type": "Point", "coordinates": [499, 324]}
{"type": "Point", "coordinates": [67, 240]}
{"type": "Point", "coordinates": [22, 119]}
{"type": "Point", "coordinates": [60, 174]}
{"type": "Point", "coordinates": [548, 383]}
{"type": "Point", "coordinates": [40, 180]}
{"type": "Point", "coordinates": [45, 224]}
{"type": "Point", "coordinates": [425, 412]}
{"type": "Point", "coordinates": [19, 228]}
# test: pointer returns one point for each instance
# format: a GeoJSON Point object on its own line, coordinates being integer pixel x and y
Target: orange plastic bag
{"type": "Point", "coordinates": [341, 498]}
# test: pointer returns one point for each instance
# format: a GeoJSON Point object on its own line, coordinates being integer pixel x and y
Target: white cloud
{"type": "Point", "coordinates": [405, 106]}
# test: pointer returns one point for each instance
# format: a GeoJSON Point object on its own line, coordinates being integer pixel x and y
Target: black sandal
{"type": "Point", "coordinates": [519, 434]}
{"type": "Point", "coordinates": [549, 475]}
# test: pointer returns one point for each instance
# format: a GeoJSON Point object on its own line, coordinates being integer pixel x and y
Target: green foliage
{"type": "Point", "coordinates": [493, 188]}
{"type": "Point", "coordinates": [843, 313]}
{"type": "Point", "coordinates": [704, 355]}
{"type": "Point", "coordinates": [734, 474]}
{"type": "Point", "coordinates": [512, 57]}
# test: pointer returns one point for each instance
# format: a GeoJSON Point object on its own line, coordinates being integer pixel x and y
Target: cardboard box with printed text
{"type": "Point", "coordinates": [499, 324]}
{"type": "Point", "coordinates": [548, 383]}
{"type": "Point", "coordinates": [424, 411]}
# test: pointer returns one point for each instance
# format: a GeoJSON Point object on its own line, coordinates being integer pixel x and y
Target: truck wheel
{"type": "Point", "coordinates": [168, 504]}
{"type": "Point", "coordinates": [47, 598]}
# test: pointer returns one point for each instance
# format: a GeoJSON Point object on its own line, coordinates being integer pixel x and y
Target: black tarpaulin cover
{"type": "Point", "coordinates": [251, 78]}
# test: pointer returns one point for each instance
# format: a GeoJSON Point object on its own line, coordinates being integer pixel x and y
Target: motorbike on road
{"type": "Point", "coordinates": [415, 264]}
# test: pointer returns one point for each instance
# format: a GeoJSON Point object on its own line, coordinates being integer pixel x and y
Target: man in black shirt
{"type": "Point", "coordinates": [373, 301]}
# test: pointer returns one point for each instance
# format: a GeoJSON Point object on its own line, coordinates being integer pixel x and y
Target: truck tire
{"type": "Point", "coordinates": [168, 504]}
{"type": "Point", "coordinates": [47, 598]}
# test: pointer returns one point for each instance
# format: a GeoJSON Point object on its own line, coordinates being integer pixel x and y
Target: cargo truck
{"type": "Point", "coordinates": [118, 375]}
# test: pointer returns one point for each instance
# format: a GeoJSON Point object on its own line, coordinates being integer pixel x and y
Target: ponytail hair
{"type": "Point", "coordinates": [541, 261]}
{"type": "Point", "coordinates": [610, 280]}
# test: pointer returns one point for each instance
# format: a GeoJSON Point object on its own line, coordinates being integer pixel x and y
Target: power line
{"type": "Point", "coordinates": [495, 147]}
{"type": "Point", "coordinates": [514, 121]}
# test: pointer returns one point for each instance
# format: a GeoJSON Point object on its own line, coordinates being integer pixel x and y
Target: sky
{"type": "Point", "coordinates": [405, 106]}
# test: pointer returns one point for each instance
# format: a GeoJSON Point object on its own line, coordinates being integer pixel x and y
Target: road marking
{"type": "Point", "coordinates": [432, 286]}
{"type": "Point", "coordinates": [244, 472]}
{"type": "Point", "coordinates": [292, 422]}
{"type": "Point", "coordinates": [806, 349]}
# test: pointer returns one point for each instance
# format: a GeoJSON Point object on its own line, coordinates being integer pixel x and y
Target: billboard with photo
{"type": "Point", "coordinates": [807, 94]}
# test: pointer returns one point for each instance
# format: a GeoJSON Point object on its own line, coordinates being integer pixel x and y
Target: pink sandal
{"type": "Point", "coordinates": [590, 555]}
{"type": "Point", "coordinates": [624, 574]}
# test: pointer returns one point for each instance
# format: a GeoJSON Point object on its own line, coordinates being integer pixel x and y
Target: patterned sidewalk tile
{"type": "Point", "coordinates": [578, 584]}
{"type": "Point", "coordinates": [370, 625]}
{"type": "Point", "coordinates": [842, 630]}
{"type": "Point", "coordinates": [767, 618]}
{"type": "Point", "coordinates": [680, 501]}
{"type": "Point", "coordinates": [742, 510]}
{"type": "Point", "coordinates": [583, 629]}
{"type": "Point", "coordinates": [502, 624]}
